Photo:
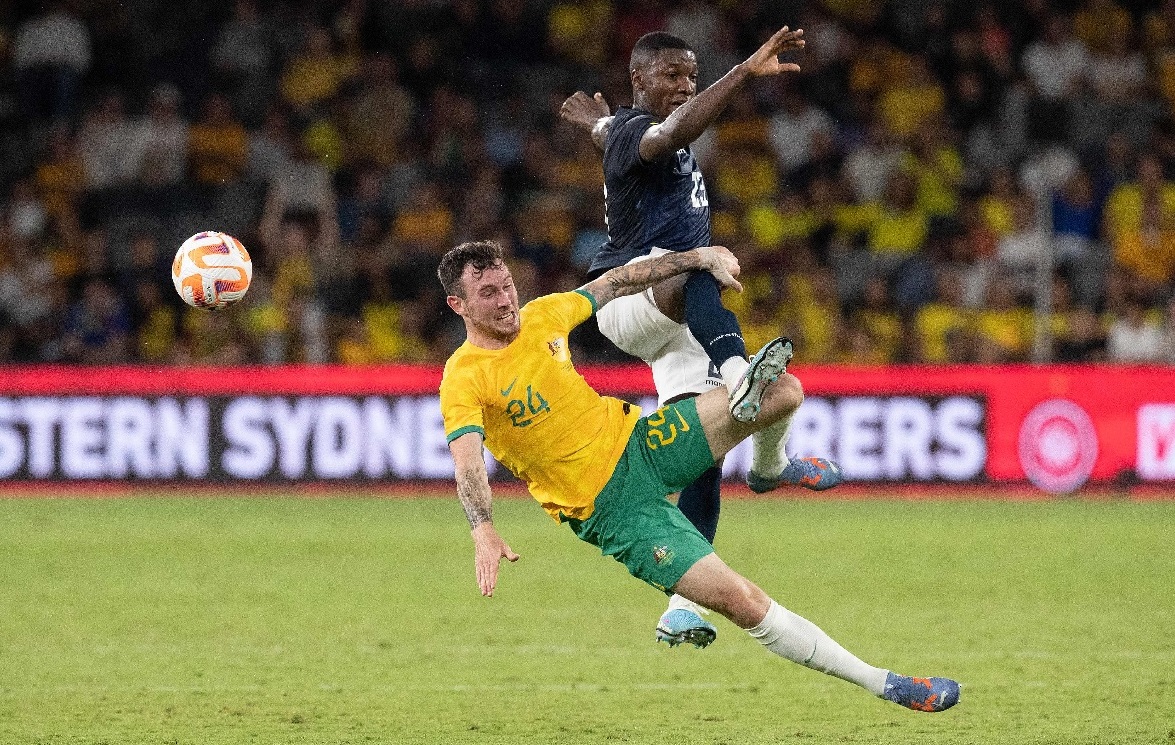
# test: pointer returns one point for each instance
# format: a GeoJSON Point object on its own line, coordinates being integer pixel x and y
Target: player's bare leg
{"type": "Point", "coordinates": [713, 584]}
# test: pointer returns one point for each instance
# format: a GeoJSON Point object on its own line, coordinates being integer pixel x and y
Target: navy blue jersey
{"type": "Point", "coordinates": [661, 204]}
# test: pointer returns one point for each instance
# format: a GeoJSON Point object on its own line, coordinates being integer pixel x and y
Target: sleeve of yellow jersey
{"type": "Point", "coordinates": [460, 407]}
{"type": "Point", "coordinates": [561, 311]}
{"type": "Point", "coordinates": [571, 308]}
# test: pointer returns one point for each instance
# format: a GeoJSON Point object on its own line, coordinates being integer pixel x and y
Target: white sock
{"type": "Point", "coordinates": [769, 448]}
{"type": "Point", "coordinates": [732, 370]}
{"type": "Point", "coordinates": [677, 601]}
{"type": "Point", "coordinates": [799, 640]}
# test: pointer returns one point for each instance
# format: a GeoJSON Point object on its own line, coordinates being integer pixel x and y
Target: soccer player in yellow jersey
{"type": "Point", "coordinates": [596, 464]}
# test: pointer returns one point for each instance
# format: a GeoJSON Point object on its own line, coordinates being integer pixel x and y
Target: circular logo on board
{"type": "Point", "coordinates": [1058, 445]}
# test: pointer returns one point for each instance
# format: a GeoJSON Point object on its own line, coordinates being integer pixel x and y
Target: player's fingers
{"type": "Point", "coordinates": [726, 279]}
{"type": "Point", "coordinates": [728, 260]}
{"type": "Point", "coordinates": [481, 578]}
{"type": "Point", "coordinates": [488, 577]}
{"type": "Point", "coordinates": [785, 40]}
{"type": "Point", "coordinates": [509, 553]}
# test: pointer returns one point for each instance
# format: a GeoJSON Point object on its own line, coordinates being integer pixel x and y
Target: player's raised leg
{"type": "Point", "coordinates": [770, 465]}
{"type": "Point", "coordinates": [778, 394]}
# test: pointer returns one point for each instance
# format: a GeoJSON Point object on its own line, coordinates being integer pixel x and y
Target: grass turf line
{"type": "Point", "coordinates": [168, 620]}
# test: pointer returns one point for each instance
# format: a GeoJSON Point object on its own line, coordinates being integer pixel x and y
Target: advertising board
{"type": "Point", "coordinates": [1055, 427]}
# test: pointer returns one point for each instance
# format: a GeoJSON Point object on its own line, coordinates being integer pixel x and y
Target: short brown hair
{"type": "Point", "coordinates": [481, 254]}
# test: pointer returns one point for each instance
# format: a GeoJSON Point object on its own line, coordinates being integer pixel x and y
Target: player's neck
{"type": "Point", "coordinates": [640, 104]}
{"type": "Point", "coordinates": [483, 340]}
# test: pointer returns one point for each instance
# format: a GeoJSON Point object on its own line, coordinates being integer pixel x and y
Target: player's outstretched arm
{"type": "Point", "coordinates": [640, 275]}
{"type": "Point", "coordinates": [590, 113]}
{"type": "Point", "coordinates": [692, 118]}
{"type": "Point", "coordinates": [473, 489]}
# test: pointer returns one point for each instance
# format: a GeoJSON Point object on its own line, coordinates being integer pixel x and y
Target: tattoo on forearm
{"type": "Point", "coordinates": [475, 499]}
{"type": "Point", "coordinates": [632, 278]}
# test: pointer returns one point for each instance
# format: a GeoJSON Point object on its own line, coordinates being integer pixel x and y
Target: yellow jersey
{"type": "Point", "coordinates": [537, 415]}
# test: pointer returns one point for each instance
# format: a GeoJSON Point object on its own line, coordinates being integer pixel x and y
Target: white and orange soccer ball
{"type": "Point", "coordinates": [211, 270]}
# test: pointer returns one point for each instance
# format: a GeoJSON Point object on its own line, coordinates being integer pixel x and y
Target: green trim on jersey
{"type": "Point", "coordinates": [591, 297]}
{"type": "Point", "coordinates": [464, 431]}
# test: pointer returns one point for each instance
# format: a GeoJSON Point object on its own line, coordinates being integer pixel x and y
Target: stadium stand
{"type": "Point", "coordinates": [889, 203]}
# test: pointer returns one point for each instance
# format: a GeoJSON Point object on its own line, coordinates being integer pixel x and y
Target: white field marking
{"type": "Point", "coordinates": [653, 650]}
{"type": "Point", "coordinates": [459, 688]}
{"type": "Point", "coordinates": [1036, 654]}
{"type": "Point", "coordinates": [278, 650]}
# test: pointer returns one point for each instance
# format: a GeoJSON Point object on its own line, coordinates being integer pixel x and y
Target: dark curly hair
{"type": "Point", "coordinates": [481, 254]}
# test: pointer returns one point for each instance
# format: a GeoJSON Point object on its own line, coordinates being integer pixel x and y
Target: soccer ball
{"type": "Point", "coordinates": [211, 270]}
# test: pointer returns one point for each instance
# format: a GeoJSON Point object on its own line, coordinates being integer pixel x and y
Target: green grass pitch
{"type": "Point", "coordinates": [349, 620]}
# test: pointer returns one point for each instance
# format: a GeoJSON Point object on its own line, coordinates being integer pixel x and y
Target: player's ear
{"type": "Point", "coordinates": [456, 303]}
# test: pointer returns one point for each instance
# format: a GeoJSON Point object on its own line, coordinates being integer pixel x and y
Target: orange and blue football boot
{"type": "Point", "coordinates": [921, 694]}
{"type": "Point", "coordinates": [816, 474]}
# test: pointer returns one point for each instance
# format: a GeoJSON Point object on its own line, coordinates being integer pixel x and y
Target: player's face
{"type": "Point", "coordinates": [667, 81]}
{"type": "Point", "coordinates": [490, 305]}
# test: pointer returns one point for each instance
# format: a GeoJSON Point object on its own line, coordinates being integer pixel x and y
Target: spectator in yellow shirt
{"type": "Point", "coordinates": [899, 227]}
{"type": "Point", "coordinates": [937, 322]}
{"type": "Point", "coordinates": [218, 145]}
{"type": "Point", "coordinates": [1004, 327]}
{"type": "Point", "coordinates": [915, 99]}
{"type": "Point", "coordinates": [315, 74]}
{"type": "Point", "coordinates": [937, 168]}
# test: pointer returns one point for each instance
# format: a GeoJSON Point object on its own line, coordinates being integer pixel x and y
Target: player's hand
{"type": "Point", "coordinates": [584, 111]}
{"type": "Point", "coordinates": [488, 551]}
{"type": "Point", "coordinates": [765, 61]}
{"type": "Point", "coordinates": [719, 261]}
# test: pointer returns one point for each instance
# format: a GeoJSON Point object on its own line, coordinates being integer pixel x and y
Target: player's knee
{"type": "Point", "coordinates": [743, 603]}
{"type": "Point", "coordinates": [787, 393]}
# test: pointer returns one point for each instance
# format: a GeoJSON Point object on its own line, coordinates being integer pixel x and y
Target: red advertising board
{"type": "Point", "coordinates": [1056, 426]}
{"type": "Point", "coordinates": [1059, 420]}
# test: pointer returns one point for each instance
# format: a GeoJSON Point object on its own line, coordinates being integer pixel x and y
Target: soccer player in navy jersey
{"type": "Point", "coordinates": [655, 202]}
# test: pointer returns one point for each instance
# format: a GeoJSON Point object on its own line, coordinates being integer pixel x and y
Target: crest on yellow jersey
{"type": "Point", "coordinates": [558, 349]}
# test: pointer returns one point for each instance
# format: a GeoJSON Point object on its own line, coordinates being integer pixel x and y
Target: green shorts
{"type": "Point", "coordinates": [633, 519]}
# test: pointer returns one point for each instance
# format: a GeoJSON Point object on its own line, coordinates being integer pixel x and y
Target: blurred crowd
{"type": "Point", "coordinates": [892, 203]}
